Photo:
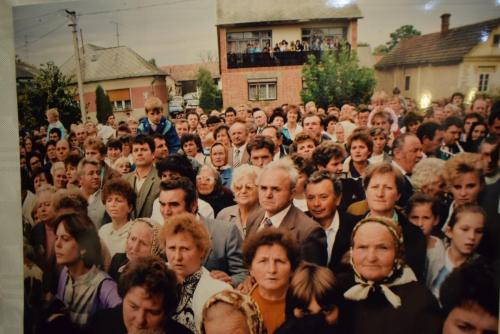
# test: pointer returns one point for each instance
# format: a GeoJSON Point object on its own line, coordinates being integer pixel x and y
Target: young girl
{"type": "Point", "coordinates": [423, 211]}
{"type": "Point", "coordinates": [464, 233]}
{"type": "Point", "coordinates": [54, 122]}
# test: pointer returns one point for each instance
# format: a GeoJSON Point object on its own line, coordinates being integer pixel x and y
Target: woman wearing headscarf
{"type": "Point", "coordinates": [210, 189]}
{"type": "Point", "coordinates": [239, 312]}
{"type": "Point", "coordinates": [382, 294]}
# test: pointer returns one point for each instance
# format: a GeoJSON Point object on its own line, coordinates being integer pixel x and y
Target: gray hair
{"type": "Point", "coordinates": [56, 166]}
{"type": "Point", "coordinates": [245, 170]}
{"type": "Point", "coordinates": [286, 165]}
{"type": "Point", "coordinates": [425, 171]}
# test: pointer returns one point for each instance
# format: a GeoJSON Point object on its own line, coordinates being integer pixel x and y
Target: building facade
{"type": "Point", "coordinates": [433, 66]}
{"type": "Point", "coordinates": [126, 77]}
{"type": "Point", "coordinates": [264, 44]}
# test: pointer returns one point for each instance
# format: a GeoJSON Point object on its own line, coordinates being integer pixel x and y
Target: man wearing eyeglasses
{"type": "Point", "coordinates": [155, 123]}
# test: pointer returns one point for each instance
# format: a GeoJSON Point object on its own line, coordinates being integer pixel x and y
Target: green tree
{"type": "Point", "coordinates": [381, 50]}
{"type": "Point", "coordinates": [402, 32]}
{"type": "Point", "coordinates": [210, 97]}
{"type": "Point", "coordinates": [104, 108]}
{"type": "Point", "coordinates": [49, 89]}
{"type": "Point", "coordinates": [336, 79]}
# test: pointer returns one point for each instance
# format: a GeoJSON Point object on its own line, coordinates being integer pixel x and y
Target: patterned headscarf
{"type": "Point", "coordinates": [400, 274]}
{"type": "Point", "coordinates": [240, 302]}
{"type": "Point", "coordinates": [156, 247]}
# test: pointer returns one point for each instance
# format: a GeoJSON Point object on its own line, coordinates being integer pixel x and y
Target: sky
{"type": "Point", "coordinates": [183, 31]}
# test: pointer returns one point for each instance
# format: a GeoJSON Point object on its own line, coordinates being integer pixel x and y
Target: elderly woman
{"type": "Point", "coordinates": [239, 312]}
{"type": "Point", "coordinates": [313, 301]}
{"type": "Point", "coordinates": [428, 177]}
{"type": "Point", "coordinates": [142, 240]}
{"type": "Point", "coordinates": [187, 244]}
{"type": "Point", "coordinates": [219, 159]}
{"type": "Point", "coordinates": [383, 294]}
{"type": "Point", "coordinates": [211, 190]}
{"type": "Point", "coordinates": [83, 287]}
{"type": "Point", "coordinates": [244, 187]}
{"type": "Point", "coordinates": [271, 256]}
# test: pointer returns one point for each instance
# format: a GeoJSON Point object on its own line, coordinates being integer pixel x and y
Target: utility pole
{"type": "Point", "coordinates": [72, 17]}
{"type": "Point", "coordinates": [117, 32]}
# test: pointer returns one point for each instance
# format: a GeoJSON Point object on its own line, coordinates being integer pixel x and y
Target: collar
{"type": "Point", "coordinates": [398, 166]}
{"type": "Point", "coordinates": [334, 226]}
{"type": "Point", "coordinates": [277, 218]}
{"type": "Point", "coordinates": [394, 217]}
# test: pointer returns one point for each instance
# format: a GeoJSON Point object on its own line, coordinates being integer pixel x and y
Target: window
{"type": "Point", "coordinates": [120, 98]}
{"type": "Point", "coordinates": [496, 40]}
{"type": "Point", "coordinates": [483, 82]}
{"type": "Point", "coordinates": [407, 82]}
{"type": "Point", "coordinates": [262, 90]}
{"type": "Point", "coordinates": [249, 41]}
{"type": "Point", "coordinates": [324, 38]}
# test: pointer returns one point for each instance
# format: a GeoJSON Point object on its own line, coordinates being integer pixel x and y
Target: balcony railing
{"type": "Point", "coordinates": [282, 58]}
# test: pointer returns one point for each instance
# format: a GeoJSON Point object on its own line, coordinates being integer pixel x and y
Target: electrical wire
{"type": "Point", "coordinates": [43, 36]}
{"type": "Point", "coordinates": [134, 8]}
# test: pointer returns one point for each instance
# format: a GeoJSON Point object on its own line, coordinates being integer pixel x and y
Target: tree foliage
{"type": "Point", "coordinates": [49, 89]}
{"type": "Point", "coordinates": [210, 97]}
{"type": "Point", "coordinates": [402, 32]}
{"type": "Point", "coordinates": [104, 108]}
{"type": "Point", "coordinates": [336, 79]}
{"type": "Point", "coordinates": [381, 50]}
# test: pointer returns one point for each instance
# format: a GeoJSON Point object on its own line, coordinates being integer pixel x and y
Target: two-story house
{"type": "Point", "coordinates": [263, 45]}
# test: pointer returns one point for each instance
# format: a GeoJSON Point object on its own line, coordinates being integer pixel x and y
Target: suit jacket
{"type": "Point", "coordinates": [225, 254]}
{"type": "Point", "coordinates": [232, 215]}
{"type": "Point", "coordinates": [245, 158]}
{"type": "Point", "coordinates": [489, 245]}
{"type": "Point", "coordinates": [149, 192]}
{"type": "Point", "coordinates": [342, 242]}
{"type": "Point", "coordinates": [109, 174]}
{"type": "Point", "coordinates": [406, 193]}
{"type": "Point", "coordinates": [310, 236]}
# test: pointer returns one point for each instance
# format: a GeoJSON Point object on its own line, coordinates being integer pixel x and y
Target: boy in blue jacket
{"type": "Point", "coordinates": [155, 122]}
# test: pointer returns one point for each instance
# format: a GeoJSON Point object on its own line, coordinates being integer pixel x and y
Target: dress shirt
{"type": "Point", "coordinates": [331, 233]}
{"type": "Point", "coordinates": [276, 219]}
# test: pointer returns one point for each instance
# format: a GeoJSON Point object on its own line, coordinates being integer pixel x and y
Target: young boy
{"type": "Point", "coordinates": [155, 122]}
{"type": "Point", "coordinates": [423, 212]}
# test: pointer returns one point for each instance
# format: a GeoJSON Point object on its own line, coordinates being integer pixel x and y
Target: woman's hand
{"type": "Point", "coordinates": [246, 285]}
{"type": "Point", "coordinates": [221, 276]}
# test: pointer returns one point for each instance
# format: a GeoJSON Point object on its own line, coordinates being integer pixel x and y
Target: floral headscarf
{"type": "Point", "coordinates": [240, 302]}
{"type": "Point", "coordinates": [156, 247]}
{"type": "Point", "coordinates": [400, 274]}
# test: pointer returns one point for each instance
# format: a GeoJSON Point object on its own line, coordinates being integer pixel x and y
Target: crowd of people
{"type": "Point", "coordinates": [376, 218]}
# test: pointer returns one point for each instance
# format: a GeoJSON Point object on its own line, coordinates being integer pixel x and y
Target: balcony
{"type": "Point", "coordinates": [266, 59]}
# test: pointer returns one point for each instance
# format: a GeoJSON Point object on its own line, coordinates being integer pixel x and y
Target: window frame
{"type": "Point", "coordinates": [259, 84]}
{"type": "Point", "coordinates": [483, 83]}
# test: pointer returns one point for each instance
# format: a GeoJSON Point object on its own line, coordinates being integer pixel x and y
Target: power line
{"type": "Point", "coordinates": [44, 35]}
{"type": "Point", "coordinates": [38, 16]}
{"type": "Point", "coordinates": [36, 25]}
{"type": "Point", "coordinates": [109, 11]}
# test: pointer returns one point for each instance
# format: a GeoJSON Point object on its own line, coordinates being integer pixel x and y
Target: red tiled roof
{"type": "Point", "coordinates": [189, 71]}
{"type": "Point", "coordinates": [437, 48]}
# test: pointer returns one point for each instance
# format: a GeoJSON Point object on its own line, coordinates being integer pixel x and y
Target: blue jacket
{"type": "Point", "coordinates": [166, 129]}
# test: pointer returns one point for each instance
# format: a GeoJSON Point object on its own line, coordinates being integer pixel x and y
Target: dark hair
{"type": "Point", "coordinates": [472, 208]}
{"type": "Point", "coordinates": [495, 113]}
{"type": "Point", "coordinates": [270, 237]}
{"type": "Point", "coordinates": [177, 163]}
{"type": "Point", "coordinates": [213, 120]}
{"type": "Point", "coordinates": [183, 183]}
{"type": "Point", "coordinates": [457, 94]}
{"type": "Point", "coordinates": [428, 130]}
{"type": "Point", "coordinates": [360, 136]}
{"type": "Point", "coordinates": [50, 143]}
{"type": "Point", "coordinates": [320, 176]}
{"type": "Point", "coordinates": [72, 160]}
{"type": "Point", "coordinates": [400, 140]}
{"type": "Point", "coordinates": [38, 171]}
{"type": "Point", "coordinates": [278, 112]}
{"type": "Point", "coordinates": [192, 112]}
{"type": "Point", "coordinates": [452, 121]}
{"type": "Point", "coordinates": [70, 201]}
{"type": "Point", "coordinates": [220, 128]}
{"type": "Point", "coordinates": [142, 139]}
{"type": "Point", "coordinates": [473, 283]}
{"type": "Point", "coordinates": [296, 110]}
{"type": "Point", "coordinates": [474, 115]}
{"type": "Point", "coordinates": [302, 164]}
{"type": "Point", "coordinates": [325, 151]}
{"type": "Point", "coordinates": [230, 109]}
{"type": "Point", "coordinates": [114, 143]}
{"type": "Point", "coordinates": [191, 137]}
{"type": "Point", "coordinates": [123, 128]}
{"type": "Point", "coordinates": [328, 119]}
{"type": "Point", "coordinates": [279, 133]}
{"type": "Point", "coordinates": [56, 130]}
{"type": "Point", "coordinates": [119, 187]}
{"type": "Point", "coordinates": [419, 199]}
{"type": "Point", "coordinates": [473, 126]}
{"type": "Point", "coordinates": [159, 136]}
{"type": "Point", "coordinates": [153, 275]}
{"type": "Point", "coordinates": [80, 227]}
{"type": "Point", "coordinates": [31, 155]}
{"type": "Point", "coordinates": [260, 142]}
{"type": "Point", "coordinates": [412, 118]}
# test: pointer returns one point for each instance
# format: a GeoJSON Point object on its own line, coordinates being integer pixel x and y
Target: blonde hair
{"type": "Point", "coordinates": [153, 102]}
{"type": "Point", "coordinates": [244, 170]}
{"type": "Point", "coordinates": [56, 166]}
{"type": "Point", "coordinates": [187, 223]}
{"type": "Point", "coordinates": [53, 112]}
{"type": "Point", "coordinates": [425, 171]}
{"type": "Point", "coordinates": [461, 164]}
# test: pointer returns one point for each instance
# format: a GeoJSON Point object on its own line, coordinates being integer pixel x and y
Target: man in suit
{"type": "Point", "coordinates": [225, 260]}
{"type": "Point", "coordinates": [276, 187]}
{"type": "Point", "coordinates": [323, 195]}
{"type": "Point", "coordinates": [276, 136]}
{"type": "Point", "coordinates": [383, 185]}
{"type": "Point", "coordinates": [238, 154]}
{"type": "Point", "coordinates": [144, 179]}
{"type": "Point", "coordinates": [407, 151]}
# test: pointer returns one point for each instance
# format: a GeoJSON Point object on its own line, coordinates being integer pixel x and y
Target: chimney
{"type": "Point", "coordinates": [445, 23]}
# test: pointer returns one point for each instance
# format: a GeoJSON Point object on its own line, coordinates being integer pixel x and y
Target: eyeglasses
{"type": "Point", "coordinates": [247, 187]}
{"type": "Point", "coordinates": [208, 179]}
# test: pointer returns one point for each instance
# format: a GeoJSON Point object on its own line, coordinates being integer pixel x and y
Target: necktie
{"type": "Point", "coordinates": [267, 223]}
{"type": "Point", "coordinates": [236, 160]}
